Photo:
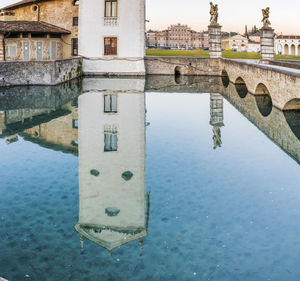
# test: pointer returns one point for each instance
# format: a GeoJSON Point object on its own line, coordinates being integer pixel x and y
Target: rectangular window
{"type": "Point", "coordinates": [53, 50]}
{"type": "Point", "coordinates": [110, 8]}
{"type": "Point", "coordinates": [110, 46]}
{"type": "Point", "coordinates": [75, 21]}
{"type": "Point", "coordinates": [110, 103]}
{"type": "Point", "coordinates": [74, 42]}
{"type": "Point", "coordinates": [110, 142]}
{"type": "Point", "coordinates": [12, 51]}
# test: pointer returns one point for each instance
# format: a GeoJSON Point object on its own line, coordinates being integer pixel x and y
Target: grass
{"type": "Point", "coordinates": [201, 53]}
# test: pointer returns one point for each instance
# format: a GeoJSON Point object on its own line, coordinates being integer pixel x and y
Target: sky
{"type": "Point", "coordinates": [233, 14]}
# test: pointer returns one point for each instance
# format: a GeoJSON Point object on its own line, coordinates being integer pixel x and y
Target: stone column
{"type": "Point", "coordinates": [267, 44]}
{"type": "Point", "coordinates": [214, 37]}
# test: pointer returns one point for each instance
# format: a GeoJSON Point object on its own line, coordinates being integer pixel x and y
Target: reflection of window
{"type": "Point", "coordinates": [75, 123]}
{"type": "Point", "coordinates": [110, 46]}
{"type": "Point", "coordinates": [110, 103]}
{"type": "Point", "coordinates": [110, 8]}
{"type": "Point", "coordinates": [74, 143]}
{"type": "Point", "coordinates": [110, 142]}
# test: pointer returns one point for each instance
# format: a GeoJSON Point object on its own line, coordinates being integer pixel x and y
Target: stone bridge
{"type": "Point", "coordinates": [282, 84]}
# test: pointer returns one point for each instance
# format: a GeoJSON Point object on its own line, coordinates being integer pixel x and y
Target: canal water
{"type": "Point", "coordinates": [163, 179]}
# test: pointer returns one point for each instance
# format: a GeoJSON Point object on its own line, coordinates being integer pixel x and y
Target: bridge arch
{"type": "Point", "coordinates": [291, 113]}
{"type": "Point", "coordinates": [225, 78]}
{"type": "Point", "coordinates": [241, 87]}
{"type": "Point", "coordinates": [293, 104]}
{"type": "Point", "coordinates": [177, 71]}
{"type": "Point", "coordinates": [263, 100]}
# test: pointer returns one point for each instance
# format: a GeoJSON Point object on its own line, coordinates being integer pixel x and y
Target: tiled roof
{"type": "Point", "coordinates": [288, 37]}
{"type": "Point", "coordinates": [31, 27]}
{"type": "Point", "coordinates": [21, 3]}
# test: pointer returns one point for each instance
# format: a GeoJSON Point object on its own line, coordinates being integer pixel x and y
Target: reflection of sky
{"type": "Point", "coordinates": [234, 15]}
{"type": "Point", "coordinates": [226, 214]}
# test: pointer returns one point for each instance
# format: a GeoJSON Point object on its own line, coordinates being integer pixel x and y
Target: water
{"type": "Point", "coordinates": [223, 182]}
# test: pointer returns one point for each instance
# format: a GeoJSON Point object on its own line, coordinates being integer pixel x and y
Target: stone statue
{"type": "Point", "coordinates": [266, 15]}
{"type": "Point", "coordinates": [213, 14]}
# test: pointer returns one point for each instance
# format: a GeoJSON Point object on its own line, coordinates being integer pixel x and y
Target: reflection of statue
{"type": "Point", "coordinates": [217, 137]}
{"type": "Point", "coordinates": [213, 14]}
{"type": "Point", "coordinates": [266, 15]}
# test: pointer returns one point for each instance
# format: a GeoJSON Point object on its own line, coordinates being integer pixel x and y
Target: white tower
{"type": "Point", "coordinates": [112, 192]}
{"type": "Point", "coordinates": [112, 36]}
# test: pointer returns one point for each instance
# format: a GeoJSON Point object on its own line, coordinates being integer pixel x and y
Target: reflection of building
{"type": "Point", "coordinates": [287, 45]}
{"type": "Point", "coordinates": [40, 29]}
{"type": "Point", "coordinates": [59, 133]}
{"type": "Point", "coordinates": [177, 36]}
{"type": "Point", "coordinates": [216, 117]}
{"type": "Point", "coordinates": [113, 198]}
{"type": "Point", "coordinates": [55, 128]}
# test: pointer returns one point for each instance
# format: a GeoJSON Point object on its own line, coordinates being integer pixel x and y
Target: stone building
{"type": "Point", "coordinates": [112, 36]}
{"type": "Point", "coordinates": [177, 36]}
{"type": "Point", "coordinates": [62, 14]}
{"type": "Point", "coordinates": [31, 40]}
{"type": "Point", "coordinates": [237, 43]}
{"type": "Point", "coordinates": [287, 45]}
{"type": "Point", "coordinates": [113, 200]}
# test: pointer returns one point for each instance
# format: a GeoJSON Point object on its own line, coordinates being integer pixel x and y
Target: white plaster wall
{"type": "Point", "coordinates": [130, 33]}
{"type": "Point", "coordinates": [109, 189]}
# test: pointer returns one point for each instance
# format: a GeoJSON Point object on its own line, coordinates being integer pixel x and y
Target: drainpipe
{"type": "Point", "coordinates": [39, 9]}
{"type": "Point", "coordinates": [3, 43]}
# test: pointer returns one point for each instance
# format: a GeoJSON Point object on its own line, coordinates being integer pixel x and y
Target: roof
{"type": "Point", "coordinates": [31, 26]}
{"type": "Point", "coordinates": [22, 3]}
{"type": "Point", "coordinates": [288, 37]}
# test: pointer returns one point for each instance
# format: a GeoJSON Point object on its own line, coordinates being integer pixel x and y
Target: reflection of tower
{"type": "Point", "coordinates": [112, 194]}
{"type": "Point", "coordinates": [216, 117]}
{"type": "Point", "coordinates": [2, 121]}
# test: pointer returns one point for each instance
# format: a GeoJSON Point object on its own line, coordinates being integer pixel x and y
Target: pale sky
{"type": "Point", "coordinates": [234, 14]}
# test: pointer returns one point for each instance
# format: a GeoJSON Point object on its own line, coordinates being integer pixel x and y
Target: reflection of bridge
{"type": "Point", "coordinates": [277, 125]}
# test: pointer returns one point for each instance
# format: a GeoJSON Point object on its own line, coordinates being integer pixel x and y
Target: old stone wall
{"type": "Point", "coordinates": [46, 43]}
{"type": "Point", "coordinates": [40, 72]}
{"type": "Point", "coordinates": [184, 65]}
{"type": "Point", "coordinates": [56, 12]}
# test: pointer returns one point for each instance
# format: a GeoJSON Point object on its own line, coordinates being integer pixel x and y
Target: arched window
{"type": "Point", "coordinates": [111, 8]}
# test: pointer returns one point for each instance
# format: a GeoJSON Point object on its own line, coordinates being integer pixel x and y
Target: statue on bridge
{"type": "Point", "coordinates": [265, 20]}
{"type": "Point", "coordinates": [214, 14]}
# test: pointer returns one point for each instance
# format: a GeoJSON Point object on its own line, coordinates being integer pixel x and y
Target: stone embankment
{"type": "Point", "coordinates": [40, 72]}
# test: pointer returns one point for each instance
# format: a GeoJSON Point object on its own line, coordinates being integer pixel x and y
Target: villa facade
{"type": "Point", "coordinates": [177, 36]}
{"type": "Point", "coordinates": [287, 45]}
